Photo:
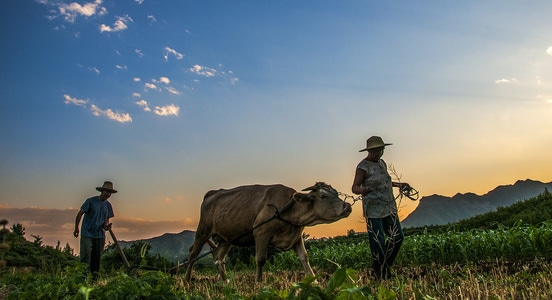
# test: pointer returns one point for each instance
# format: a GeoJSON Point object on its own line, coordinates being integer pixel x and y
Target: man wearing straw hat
{"type": "Point", "coordinates": [373, 182]}
{"type": "Point", "coordinates": [97, 211]}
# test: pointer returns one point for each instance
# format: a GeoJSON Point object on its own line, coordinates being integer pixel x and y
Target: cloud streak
{"type": "Point", "coordinates": [96, 111]}
{"type": "Point", "coordinates": [110, 114]}
{"type": "Point", "coordinates": [168, 110]}
{"type": "Point", "coordinates": [119, 25]}
{"type": "Point", "coordinates": [176, 54]}
{"type": "Point", "coordinates": [75, 101]}
{"type": "Point", "coordinates": [203, 71]}
{"type": "Point", "coordinates": [506, 81]}
{"type": "Point", "coordinates": [70, 12]}
{"type": "Point", "coordinates": [54, 225]}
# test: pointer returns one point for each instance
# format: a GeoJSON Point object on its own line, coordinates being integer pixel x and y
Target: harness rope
{"type": "Point", "coordinates": [404, 191]}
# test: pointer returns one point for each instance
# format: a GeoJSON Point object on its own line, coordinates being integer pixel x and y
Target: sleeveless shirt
{"type": "Point", "coordinates": [379, 202]}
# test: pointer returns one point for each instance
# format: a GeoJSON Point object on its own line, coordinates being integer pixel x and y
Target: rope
{"type": "Point", "coordinates": [409, 192]}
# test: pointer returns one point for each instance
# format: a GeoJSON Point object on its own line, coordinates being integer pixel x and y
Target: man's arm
{"type": "Point", "coordinates": [357, 182]}
{"type": "Point", "coordinates": [77, 222]}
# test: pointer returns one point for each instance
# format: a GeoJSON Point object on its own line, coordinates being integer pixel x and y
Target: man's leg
{"type": "Point", "coordinates": [376, 237]}
{"type": "Point", "coordinates": [85, 250]}
{"type": "Point", "coordinates": [393, 229]}
{"type": "Point", "coordinates": [97, 249]}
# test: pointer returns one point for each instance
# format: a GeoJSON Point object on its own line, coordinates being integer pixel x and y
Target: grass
{"type": "Point", "coordinates": [484, 280]}
{"type": "Point", "coordinates": [489, 280]}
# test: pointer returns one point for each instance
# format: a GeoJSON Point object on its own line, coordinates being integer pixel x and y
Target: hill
{"type": "Point", "coordinates": [441, 210]}
{"type": "Point", "coordinates": [172, 246]}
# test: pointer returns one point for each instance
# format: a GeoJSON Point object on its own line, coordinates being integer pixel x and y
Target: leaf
{"type": "Point", "coordinates": [336, 280]}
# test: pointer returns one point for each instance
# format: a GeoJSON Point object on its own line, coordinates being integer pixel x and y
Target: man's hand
{"type": "Point", "coordinates": [76, 233]}
{"type": "Point", "coordinates": [107, 227]}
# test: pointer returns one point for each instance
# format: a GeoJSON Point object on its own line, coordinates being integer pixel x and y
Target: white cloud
{"type": "Point", "coordinates": [139, 52]}
{"type": "Point", "coordinates": [549, 50]}
{"type": "Point", "coordinates": [174, 52]}
{"type": "Point", "coordinates": [119, 117]}
{"type": "Point", "coordinates": [203, 71]}
{"type": "Point", "coordinates": [151, 86]}
{"type": "Point", "coordinates": [75, 101]}
{"type": "Point", "coordinates": [152, 18]}
{"type": "Point", "coordinates": [123, 67]}
{"type": "Point", "coordinates": [139, 1]}
{"type": "Point", "coordinates": [167, 110]}
{"type": "Point", "coordinates": [504, 80]}
{"type": "Point", "coordinates": [120, 24]}
{"type": "Point", "coordinates": [172, 90]}
{"type": "Point", "coordinates": [93, 69]}
{"type": "Point", "coordinates": [71, 11]}
{"type": "Point", "coordinates": [136, 79]}
{"type": "Point", "coordinates": [137, 95]}
{"type": "Point", "coordinates": [143, 104]}
{"type": "Point", "coordinates": [164, 80]}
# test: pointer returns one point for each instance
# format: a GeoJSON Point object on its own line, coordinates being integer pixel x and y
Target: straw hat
{"type": "Point", "coordinates": [107, 186]}
{"type": "Point", "coordinates": [374, 142]}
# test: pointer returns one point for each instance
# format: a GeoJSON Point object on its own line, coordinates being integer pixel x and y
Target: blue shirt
{"type": "Point", "coordinates": [96, 212]}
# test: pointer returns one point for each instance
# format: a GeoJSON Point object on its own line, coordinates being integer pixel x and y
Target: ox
{"type": "Point", "coordinates": [263, 215]}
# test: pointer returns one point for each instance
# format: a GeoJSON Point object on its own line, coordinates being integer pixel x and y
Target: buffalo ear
{"type": "Point", "coordinates": [303, 197]}
{"type": "Point", "coordinates": [311, 188]}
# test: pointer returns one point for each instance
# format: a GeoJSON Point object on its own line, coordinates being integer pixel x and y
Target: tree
{"type": "Point", "coordinates": [18, 229]}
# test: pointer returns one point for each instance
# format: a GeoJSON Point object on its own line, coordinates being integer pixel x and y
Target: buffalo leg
{"type": "Point", "coordinates": [303, 256]}
{"type": "Point", "coordinates": [220, 259]}
{"type": "Point", "coordinates": [261, 251]}
{"type": "Point", "coordinates": [200, 240]}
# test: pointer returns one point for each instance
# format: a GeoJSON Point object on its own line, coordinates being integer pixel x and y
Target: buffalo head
{"type": "Point", "coordinates": [325, 204]}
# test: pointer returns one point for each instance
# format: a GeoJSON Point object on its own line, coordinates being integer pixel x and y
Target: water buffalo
{"type": "Point", "coordinates": [263, 215]}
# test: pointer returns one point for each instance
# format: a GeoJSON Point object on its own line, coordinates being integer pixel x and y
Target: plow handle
{"type": "Point", "coordinates": [119, 248]}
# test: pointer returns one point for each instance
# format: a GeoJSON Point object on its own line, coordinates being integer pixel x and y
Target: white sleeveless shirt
{"type": "Point", "coordinates": [379, 202]}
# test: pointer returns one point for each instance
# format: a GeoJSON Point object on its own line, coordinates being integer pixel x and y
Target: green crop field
{"type": "Point", "coordinates": [501, 261]}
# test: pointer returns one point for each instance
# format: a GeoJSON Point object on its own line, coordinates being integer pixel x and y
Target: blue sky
{"type": "Point", "coordinates": [170, 99]}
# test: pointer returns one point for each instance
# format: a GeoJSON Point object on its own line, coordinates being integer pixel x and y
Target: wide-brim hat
{"type": "Point", "coordinates": [107, 186]}
{"type": "Point", "coordinates": [374, 142]}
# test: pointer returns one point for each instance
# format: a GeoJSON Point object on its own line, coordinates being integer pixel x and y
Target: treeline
{"type": "Point", "coordinates": [16, 251]}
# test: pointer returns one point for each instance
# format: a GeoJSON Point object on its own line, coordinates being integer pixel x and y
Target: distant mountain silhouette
{"type": "Point", "coordinates": [441, 210]}
{"type": "Point", "coordinates": [173, 246]}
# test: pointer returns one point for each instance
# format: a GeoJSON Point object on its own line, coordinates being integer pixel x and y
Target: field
{"type": "Point", "coordinates": [473, 259]}
{"type": "Point", "coordinates": [505, 263]}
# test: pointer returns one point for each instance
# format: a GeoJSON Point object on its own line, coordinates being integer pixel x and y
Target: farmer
{"type": "Point", "coordinates": [97, 211]}
{"type": "Point", "coordinates": [373, 182]}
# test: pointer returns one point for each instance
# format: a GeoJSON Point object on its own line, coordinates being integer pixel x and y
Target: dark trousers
{"type": "Point", "coordinates": [91, 252]}
{"type": "Point", "coordinates": [385, 236]}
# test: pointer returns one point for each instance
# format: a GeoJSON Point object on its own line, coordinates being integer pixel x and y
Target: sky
{"type": "Point", "coordinates": [171, 99]}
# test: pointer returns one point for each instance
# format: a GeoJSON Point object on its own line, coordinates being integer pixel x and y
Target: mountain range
{"type": "Point", "coordinates": [172, 246]}
{"type": "Point", "coordinates": [441, 210]}
{"type": "Point", "coordinates": [432, 210]}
